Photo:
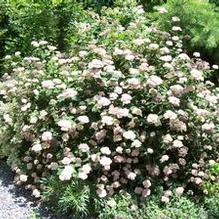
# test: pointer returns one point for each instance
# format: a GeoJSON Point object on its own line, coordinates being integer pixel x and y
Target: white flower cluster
{"type": "Point", "coordinates": [136, 111]}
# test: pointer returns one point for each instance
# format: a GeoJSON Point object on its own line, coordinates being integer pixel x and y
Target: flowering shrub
{"type": "Point", "coordinates": [129, 110]}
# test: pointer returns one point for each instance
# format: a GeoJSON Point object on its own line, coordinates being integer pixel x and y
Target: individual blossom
{"type": "Point", "coordinates": [95, 63]}
{"type": "Point", "coordinates": [36, 193]}
{"type": "Point", "coordinates": [37, 147]}
{"type": "Point", "coordinates": [134, 71]}
{"type": "Point", "coordinates": [175, 38]}
{"type": "Point", "coordinates": [48, 84]}
{"type": "Point", "coordinates": [168, 193]}
{"type": "Point", "coordinates": [121, 112]}
{"type": "Point", "coordinates": [53, 166]}
{"type": "Point", "coordinates": [153, 119]}
{"type": "Point", "coordinates": [167, 171]}
{"type": "Point", "coordinates": [105, 161]}
{"type": "Point", "coordinates": [136, 111]}
{"type": "Point", "coordinates": [111, 203]}
{"type": "Point", "coordinates": [95, 158]}
{"type": "Point", "coordinates": [164, 50]}
{"type": "Point", "coordinates": [118, 51]}
{"type": "Point", "coordinates": [43, 42]}
{"type": "Point", "coordinates": [83, 148]}
{"type": "Point", "coordinates": [208, 127]}
{"type": "Point", "coordinates": [215, 66]}
{"type": "Point", "coordinates": [164, 158]}
{"type": "Point", "coordinates": [175, 19]}
{"type": "Point", "coordinates": [197, 75]}
{"type": "Point", "coordinates": [177, 144]}
{"type": "Point", "coordinates": [165, 199]}
{"type": "Point", "coordinates": [105, 150]}
{"type": "Point", "coordinates": [136, 143]}
{"type": "Point", "coordinates": [134, 83]}
{"type": "Point", "coordinates": [138, 41]}
{"type": "Point", "coordinates": [47, 136]}
{"type": "Point", "coordinates": [43, 114]}
{"type": "Point", "coordinates": [153, 46]}
{"type": "Point", "coordinates": [166, 58]}
{"type": "Point", "coordinates": [66, 161]}
{"type": "Point", "coordinates": [198, 180]}
{"type": "Point", "coordinates": [131, 175]}
{"type": "Point", "coordinates": [169, 43]}
{"type": "Point", "coordinates": [126, 98]}
{"type": "Point", "coordinates": [8, 57]}
{"type": "Point", "coordinates": [167, 139]}
{"type": "Point", "coordinates": [183, 56]}
{"type": "Point", "coordinates": [177, 90]}
{"type": "Point", "coordinates": [103, 101]}
{"type": "Point", "coordinates": [68, 93]}
{"type": "Point", "coordinates": [65, 125]}
{"type": "Point", "coordinates": [143, 67]}
{"type": "Point", "coordinates": [107, 120]}
{"type": "Point", "coordinates": [129, 135]}
{"type": "Point", "coordinates": [118, 90]}
{"type": "Point", "coordinates": [176, 28]}
{"type": "Point", "coordinates": [23, 178]}
{"type": "Point", "coordinates": [153, 170]}
{"type": "Point", "coordinates": [35, 44]}
{"type": "Point", "coordinates": [101, 192]}
{"type": "Point", "coordinates": [211, 162]}
{"type": "Point", "coordinates": [119, 150]}
{"type": "Point", "coordinates": [83, 119]}
{"type": "Point", "coordinates": [100, 135]}
{"type": "Point", "coordinates": [150, 150]}
{"type": "Point", "coordinates": [154, 81]}
{"type": "Point", "coordinates": [178, 125]}
{"type": "Point", "coordinates": [33, 119]}
{"type": "Point", "coordinates": [170, 115]}
{"type": "Point", "coordinates": [179, 190]}
{"type": "Point", "coordinates": [86, 168]}
{"type": "Point", "coordinates": [130, 57]}
{"type": "Point", "coordinates": [162, 10]}
{"type": "Point", "coordinates": [146, 183]}
{"type": "Point", "coordinates": [66, 173]}
{"type": "Point", "coordinates": [146, 193]}
{"type": "Point", "coordinates": [174, 100]}
{"type": "Point", "coordinates": [82, 175]}
{"type": "Point", "coordinates": [196, 54]}
{"type": "Point", "coordinates": [25, 107]}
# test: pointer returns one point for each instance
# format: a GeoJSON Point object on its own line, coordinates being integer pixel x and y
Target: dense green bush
{"type": "Point", "coordinates": [200, 24]}
{"type": "Point", "coordinates": [27, 20]}
{"type": "Point", "coordinates": [125, 206]}
{"type": "Point", "coordinates": [150, 4]}
{"type": "Point", "coordinates": [212, 205]}
{"type": "Point", "coordinates": [215, 2]}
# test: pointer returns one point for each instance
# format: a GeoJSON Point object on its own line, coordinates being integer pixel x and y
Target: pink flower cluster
{"type": "Point", "coordinates": [131, 116]}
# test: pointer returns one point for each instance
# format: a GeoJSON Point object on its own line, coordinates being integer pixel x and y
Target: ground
{"type": "Point", "coordinates": [17, 203]}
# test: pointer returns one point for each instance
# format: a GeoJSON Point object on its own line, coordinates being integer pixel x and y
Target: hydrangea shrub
{"type": "Point", "coordinates": [128, 110]}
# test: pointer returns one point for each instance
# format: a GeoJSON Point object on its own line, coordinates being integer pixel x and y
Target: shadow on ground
{"type": "Point", "coordinates": [20, 199]}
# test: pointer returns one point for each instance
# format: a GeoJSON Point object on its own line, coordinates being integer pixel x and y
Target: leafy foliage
{"type": "Point", "coordinates": [212, 184]}
{"type": "Point", "coordinates": [72, 198]}
{"type": "Point", "coordinates": [27, 20]}
{"type": "Point", "coordinates": [124, 123]}
{"type": "Point", "coordinates": [149, 4]}
{"type": "Point", "coordinates": [200, 24]}
{"type": "Point", "coordinates": [215, 2]}
{"type": "Point", "coordinates": [212, 205]}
